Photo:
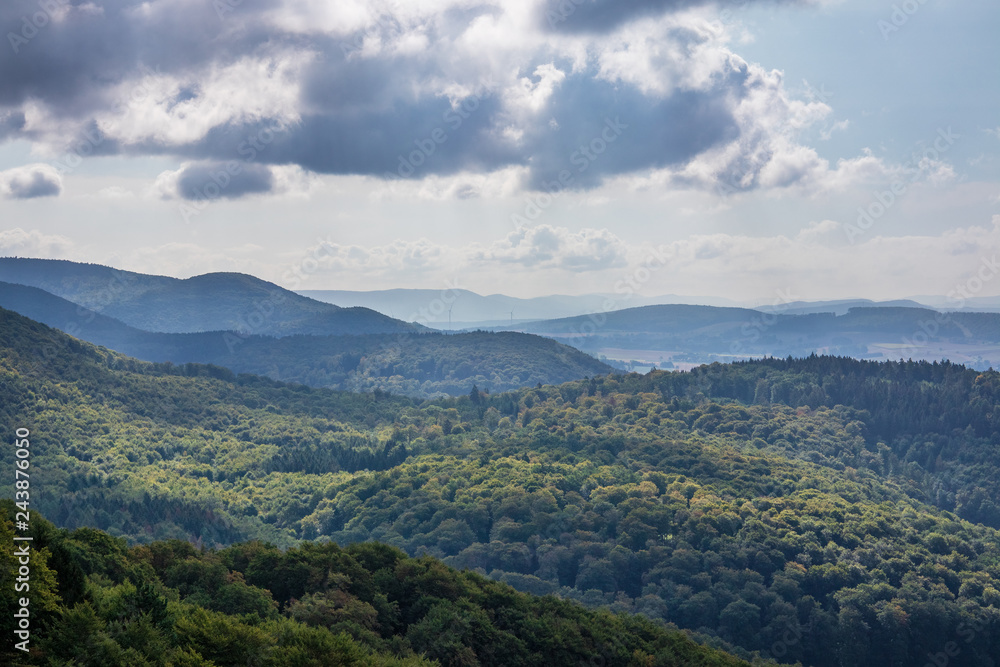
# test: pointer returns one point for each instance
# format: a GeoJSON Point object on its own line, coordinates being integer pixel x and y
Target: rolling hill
{"type": "Point", "coordinates": [837, 306]}
{"type": "Point", "coordinates": [678, 318]}
{"type": "Point", "coordinates": [470, 309]}
{"type": "Point", "coordinates": [169, 604]}
{"type": "Point", "coordinates": [422, 365]}
{"type": "Point", "coordinates": [210, 302]}
{"type": "Point", "coordinates": [700, 334]}
{"type": "Point", "coordinates": [824, 510]}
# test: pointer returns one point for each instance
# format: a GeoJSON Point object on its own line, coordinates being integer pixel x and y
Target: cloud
{"type": "Point", "coordinates": [880, 266]}
{"type": "Point", "coordinates": [816, 230]}
{"type": "Point", "coordinates": [114, 192]}
{"type": "Point", "coordinates": [211, 181]}
{"type": "Point", "coordinates": [839, 126]}
{"type": "Point", "coordinates": [30, 182]}
{"type": "Point", "coordinates": [33, 243]}
{"type": "Point", "coordinates": [397, 258]}
{"type": "Point", "coordinates": [11, 122]}
{"type": "Point", "coordinates": [601, 16]}
{"type": "Point", "coordinates": [208, 181]}
{"type": "Point", "coordinates": [463, 185]}
{"type": "Point", "coordinates": [545, 246]}
{"type": "Point", "coordinates": [413, 90]}
{"type": "Point", "coordinates": [816, 263]}
{"type": "Point", "coordinates": [189, 259]}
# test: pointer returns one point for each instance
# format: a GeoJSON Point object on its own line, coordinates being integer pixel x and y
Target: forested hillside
{"type": "Point", "coordinates": [774, 507]}
{"type": "Point", "coordinates": [95, 602]}
{"type": "Point", "coordinates": [934, 424]}
{"type": "Point", "coordinates": [418, 365]}
{"type": "Point", "coordinates": [210, 302]}
{"type": "Point", "coordinates": [415, 364]}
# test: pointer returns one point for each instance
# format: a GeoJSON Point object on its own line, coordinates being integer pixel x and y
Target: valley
{"type": "Point", "coordinates": [834, 497]}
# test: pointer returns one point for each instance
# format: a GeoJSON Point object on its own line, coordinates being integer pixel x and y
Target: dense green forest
{"type": "Point", "coordinates": [419, 365]}
{"type": "Point", "coordinates": [423, 365]}
{"type": "Point", "coordinates": [937, 425]}
{"type": "Point", "coordinates": [95, 602]}
{"type": "Point", "coordinates": [804, 510]}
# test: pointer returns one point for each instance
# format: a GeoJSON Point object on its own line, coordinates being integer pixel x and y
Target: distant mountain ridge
{"type": "Point", "coordinates": [467, 309]}
{"type": "Point", "coordinates": [677, 335]}
{"type": "Point", "coordinates": [416, 364]}
{"type": "Point", "coordinates": [682, 335]}
{"type": "Point", "coordinates": [209, 302]}
{"type": "Point", "coordinates": [692, 319]}
{"type": "Point", "coordinates": [661, 319]}
{"type": "Point", "coordinates": [837, 307]}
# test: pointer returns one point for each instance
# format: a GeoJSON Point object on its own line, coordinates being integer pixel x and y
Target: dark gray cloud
{"type": "Point", "coordinates": [30, 182]}
{"type": "Point", "coordinates": [68, 62]}
{"type": "Point", "coordinates": [606, 129]}
{"type": "Point", "coordinates": [372, 115]}
{"type": "Point", "coordinates": [229, 180]}
{"type": "Point", "coordinates": [603, 130]}
{"type": "Point", "coordinates": [10, 123]}
{"type": "Point", "coordinates": [359, 118]}
{"type": "Point", "coordinates": [36, 185]}
{"type": "Point", "coordinates": [601, 16]}
{"type": "Point", "coordinates": [72, 62]}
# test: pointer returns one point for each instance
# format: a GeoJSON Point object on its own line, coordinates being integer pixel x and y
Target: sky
{"type": "Point", "coordinates": [759, 150]}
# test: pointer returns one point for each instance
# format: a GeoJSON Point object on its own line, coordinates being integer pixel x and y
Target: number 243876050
{"type": "Point", "coordinates": [22, 483]}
